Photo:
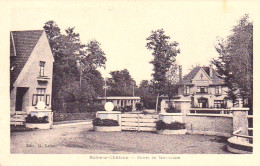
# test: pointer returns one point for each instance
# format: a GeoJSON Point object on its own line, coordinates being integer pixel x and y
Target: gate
{"type": "Point", "coordinates": [18, 118]}
{"type": "Point", "coordinates": [138, 122]}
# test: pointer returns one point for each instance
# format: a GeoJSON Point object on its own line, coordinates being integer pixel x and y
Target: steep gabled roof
{"type": "Point", "coordinates": [188, 78]}
{"type": "Point", "coordinates": [22, 44]}
{"type": "Point", "coordinates": [215, 76]}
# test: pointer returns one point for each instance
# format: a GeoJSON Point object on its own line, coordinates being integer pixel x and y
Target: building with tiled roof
{"type": "Point", "coordinates": [31, 70]}
{"type": "Point", "coordinates": [204, 87]}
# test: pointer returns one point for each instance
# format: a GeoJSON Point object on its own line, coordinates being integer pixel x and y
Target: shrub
{"type": "Point", "coordinates": [139, 106]}
{"type": "Point", "coordinates": [172, 109]}
{"type": "Point", "coordinates": [176, 126]}
{"type": "Point", "coordinates": [117, 108]}
{"type": "Point", "coordinates": [61, 116]}
{"type": "Point", "coordinates": [127, 108]}
{"type": "Point", "coordinates": [161, 125]}
{"type": "Point", "coordinates": [35, 119]}
{"type": "Point", "coordinates": [105, 122]}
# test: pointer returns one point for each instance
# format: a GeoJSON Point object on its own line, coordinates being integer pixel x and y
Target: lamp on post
{"type": "Point", "coordinates": [105, 87]}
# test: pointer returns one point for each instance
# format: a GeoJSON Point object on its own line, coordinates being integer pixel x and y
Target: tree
{"type": "Point", "coordinates": [172, 78]}
{"type": "Point", "coordinates": [148, 98]}
{"type": "Point", "coordinates": [164, 53]}
{"type": "Point", "coordinates": [235, 61]}
{"type": "Point", "coordinates": [64, 68]}
{"type": "Point", "coordinates": [121, 83]}
{"type": "Point", "coordinates": [74, 84]}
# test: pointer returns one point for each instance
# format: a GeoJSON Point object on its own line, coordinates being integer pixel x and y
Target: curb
{"type": "Point", "coordinates": [71, 124]}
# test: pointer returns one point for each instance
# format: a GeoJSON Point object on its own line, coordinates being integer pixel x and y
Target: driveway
{"type": "Point", "coordinates": [80, 139]}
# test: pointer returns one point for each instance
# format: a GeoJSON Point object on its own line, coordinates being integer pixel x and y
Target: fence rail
{"type": "Point", "coordinates": [210, 111]}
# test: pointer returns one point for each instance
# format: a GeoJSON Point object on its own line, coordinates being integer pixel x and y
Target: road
{"type": "Point", "coordinates": [80, 139]}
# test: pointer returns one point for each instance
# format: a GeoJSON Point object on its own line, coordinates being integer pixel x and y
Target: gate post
{"type": "Point", "coordinates": [240, 119]}
{"type": "Point", "coordinates": [184, 106]}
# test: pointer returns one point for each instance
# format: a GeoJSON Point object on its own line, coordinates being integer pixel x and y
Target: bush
{"type": "Point", "coordinates": [117, 108]}
{"type": "Point", "coordinates": [127, 108]}
{"type": "Point", "coordinates": [172, 109]}
{"type": "Point", "coordinates": [105, 122]}
{"type": "Point", "coordinates": [61, 116]}
{"type": "Point", "coordinates": [139, 106]}
{"type": "Point", "coordinates": [35, 119]}
{"type": "Point", "coordinates": [161, 125]}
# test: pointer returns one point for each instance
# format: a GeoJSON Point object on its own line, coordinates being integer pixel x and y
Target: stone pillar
{"type": "Point", "coordinates": [163, 106]}
{"type": "Point", "coordinates": [184, 106]}
{"type": "Point", "coordinates": [240, 120]}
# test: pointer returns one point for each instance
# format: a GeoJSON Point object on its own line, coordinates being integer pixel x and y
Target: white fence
{"type": "Point", "coordinates": [210, 111]}
{"type": "Point", "coordinates": [138, 122]}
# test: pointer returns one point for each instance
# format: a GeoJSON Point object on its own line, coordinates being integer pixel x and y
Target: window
{"type": "Point", "coordinates": [42, 64]}
{"type": "Point", "coordinates": [202, 89]}
{"type": "Point", "coordinates": [219, 103]}
{"type": "Point", "coordinates": [186, 89]}
{"type": "Point", "coordinates": [40, 96]}
{"type": "Point", "coordinates": [218, 90]}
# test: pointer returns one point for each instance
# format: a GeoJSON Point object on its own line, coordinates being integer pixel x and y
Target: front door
{"type": "Point", "coordinates": [20, 92]}
{"type": "Point", "coordinates": [203, 102]}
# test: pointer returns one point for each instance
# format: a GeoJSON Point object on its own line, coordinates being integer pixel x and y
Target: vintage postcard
{"type": "Point", "coordinates": [113, 82]}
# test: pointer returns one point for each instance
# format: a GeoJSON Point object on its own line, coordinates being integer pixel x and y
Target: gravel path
{"type": "Point", "coordinates": [80, 139]}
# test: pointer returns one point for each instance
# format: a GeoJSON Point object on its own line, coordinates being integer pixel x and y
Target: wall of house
{"type": "Point", "coordinates": [211, 95]}
{"type": "Point", "coordinates": [12, 99]}
{"type": "Point", "coordinates": [30, 72]}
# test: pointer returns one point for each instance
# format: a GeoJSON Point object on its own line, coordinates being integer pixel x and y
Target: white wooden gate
{"type": "Point", "coordinates": [18, 118]}
{"type": "Point", "coordinates": [138, 122]}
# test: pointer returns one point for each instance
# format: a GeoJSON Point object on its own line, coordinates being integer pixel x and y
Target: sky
{"type": "Point", "coordinates": [122, 28]}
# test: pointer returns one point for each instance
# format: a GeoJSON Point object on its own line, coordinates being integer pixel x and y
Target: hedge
{"type": "Point", "coordinates": [58, 116]}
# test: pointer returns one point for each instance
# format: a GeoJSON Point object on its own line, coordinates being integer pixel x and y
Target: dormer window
{"type": "Point", "coordinates": [42, 65]}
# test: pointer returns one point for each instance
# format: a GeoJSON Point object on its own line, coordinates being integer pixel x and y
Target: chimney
{"type": "Point", "coordinates": [180, 74]}
{"type": "Point", "coordinates": [210, 71]}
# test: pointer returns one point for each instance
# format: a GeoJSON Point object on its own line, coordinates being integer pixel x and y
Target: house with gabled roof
{"type": "Point", "coordinates": [204, 87]}
{"type": "Point", "coordinates": [31, 70]}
